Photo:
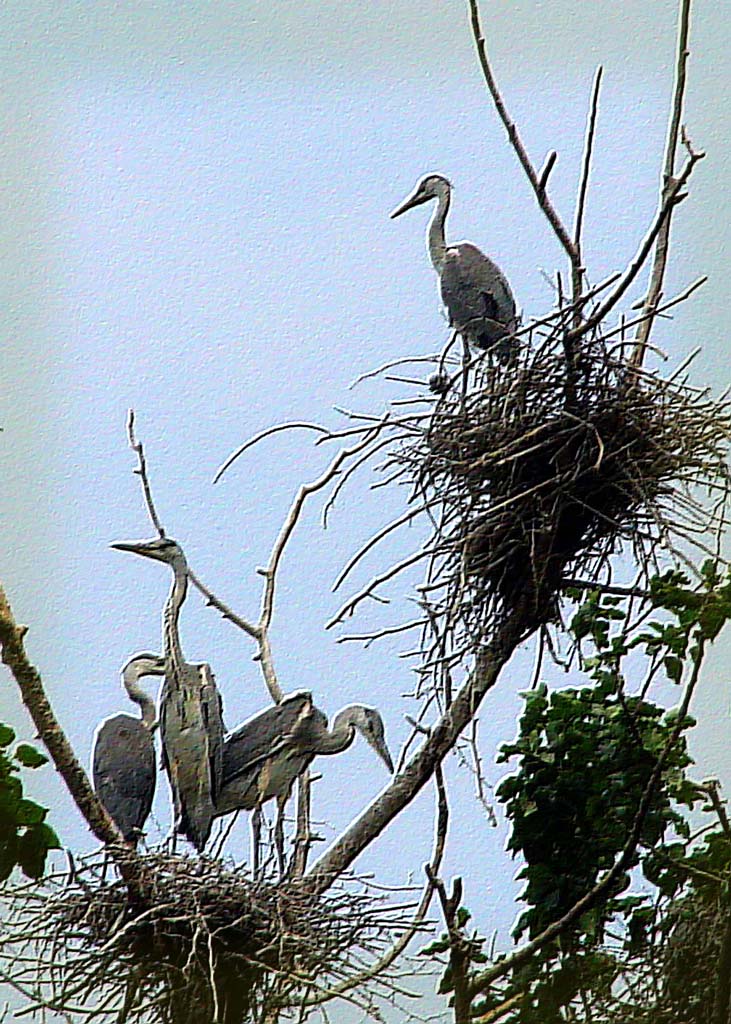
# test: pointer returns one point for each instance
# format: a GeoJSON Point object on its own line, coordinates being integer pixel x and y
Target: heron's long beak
{"type": "Point", "coordinates": [145, 548]}
{"type": "Point", "coordinates": [413, 200]}
{"type": "Point", "coordinates": [382, 750]}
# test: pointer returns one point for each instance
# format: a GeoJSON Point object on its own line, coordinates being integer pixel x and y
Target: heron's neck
{"type": "Point", "coordinates": [171, 615]}
{"type": "Point", "coordinates": [340, 736]}
{"type": "Point", "coordinates": [138, 695]}
{"type": "Point", "coordinates": [435, 239]}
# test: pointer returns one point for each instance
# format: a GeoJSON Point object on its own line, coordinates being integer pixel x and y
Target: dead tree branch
{"type": "Point", "coordinates": [67, 764]}
{"type": "Point", "coordinates": [537, 182]}
{"type": "Point", "coordinates": [663, 239]}
{"type": "Point", "coordinates": [577, 270]}
{"type": "Point", "coordinates": [422, 765]}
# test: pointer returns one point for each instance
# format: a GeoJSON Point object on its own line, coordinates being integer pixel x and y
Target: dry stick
{"type": "Point", "coordinates": [515, 140]}
{"type": "Point", "coordinates": [141, 472]}
{"type": "Point", "coordinates": [421, 767]}
{"type": "Point", "coordinates": [661, 250]}
{"type": "Point", "coordinates": [577, 271]}
{"type": "Point", "coordinates": [670, 200]}
{"type": "Point", "coordinates": [303, 834]}
{"type": "Point", "coordinates": [482, 981]}
{"type": "Point", "coordinates": [499, 1011]}
{"type": "Point", "coordinates": [77, 782]}
{"type": "Point", "coordinates": [295, 425]}
{"type": "Point", "coordinates": [385, 961]}
{"type": "Point", "coordinates": [458, 958]}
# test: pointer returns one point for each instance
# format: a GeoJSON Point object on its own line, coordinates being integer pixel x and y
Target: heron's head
{"type": "Point", "coordinates": [431, 186]}
{"type": "Point", "coordinates": [144, 664]}
{"type": "Point", "coordinates": [369, 724]}
{"type": "Point", "coordinates": [161, 549]}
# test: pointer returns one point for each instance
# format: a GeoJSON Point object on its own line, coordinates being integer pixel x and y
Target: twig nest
{"type": "Point", "coordinates": [542, 471]}
{"type": "Point", "coordinates": [209, 944]}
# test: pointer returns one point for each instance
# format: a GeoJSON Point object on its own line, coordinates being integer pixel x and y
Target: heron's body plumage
{"type": "Point", "coordinates": [123, 759]}
{"type": "Point", "coordinates": [123, 770]}
{"type": "Point", "coordinates": [475, 292]}
{"type": "Point", "coordinates": [191, 723]}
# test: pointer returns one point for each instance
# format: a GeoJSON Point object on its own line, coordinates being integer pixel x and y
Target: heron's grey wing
{"type": "Point", "coordinates": [124, 772]}
{"type": "Point", "coordinates": [264, 735]}
{"type": "Point", "coordinates": [212, 709]}
{"type": "Point", "coordinates": [474, 288]}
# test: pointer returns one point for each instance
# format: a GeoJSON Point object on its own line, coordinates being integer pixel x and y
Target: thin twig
{"type": "Point", "coordinates": [294, 425]}
{"type": "Point", "coordinates": [661, 249]}
{"type": "Point", "coordinates": [515, 140]}
{"type": "Point", "coordinates": [141, 472]}
{"type": "Point", "coordinates": [586, 163]}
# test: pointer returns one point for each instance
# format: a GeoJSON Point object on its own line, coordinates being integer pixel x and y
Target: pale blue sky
{"type": "Point", "coordinates": [196, 224]}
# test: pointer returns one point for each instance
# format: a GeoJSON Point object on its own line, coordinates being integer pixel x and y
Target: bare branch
{"type": "Point", "coordinates": [661, 250]}
{"type": "Point", "coordinates": [671, 198]}
{"type": "Point", "coordinates": [377, 969]}
{"type": "Point", "coordinates": [422, 765]}
{"type": "Point", "coordinates": [141, 472]}
{"type": "Point", "coordinates": [67, 764]}
{"type": "Point", "coordinates": [586, 164]}
{"type": "Point", "coordinates": [515, 140]}
{"type": "Point", "coordinates": [295, 425]}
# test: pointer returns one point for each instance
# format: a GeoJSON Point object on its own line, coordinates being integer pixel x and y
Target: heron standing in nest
{"type": "Point", "coordinates": [264, 756]}
{"type": "Point", "coordinates": [191, 722]}
{"type": "Point", "coordinates": [123, 762]}
{"type": "Point", "coordinates": [475, 292]}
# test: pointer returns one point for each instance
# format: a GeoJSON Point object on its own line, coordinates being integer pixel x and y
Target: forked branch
{"type": "Point", "coordinates": [537, 182]}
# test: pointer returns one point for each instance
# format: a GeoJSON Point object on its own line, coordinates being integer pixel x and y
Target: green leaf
{"type": "Point", "coordinates": [29, 757]}
{"type": "Point", "coordinates": [7, 735]}
{"type": "Point", "coordinates": [28, 812]}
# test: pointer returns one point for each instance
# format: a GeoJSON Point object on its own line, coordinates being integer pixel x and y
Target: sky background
{"type": "Point", "coordinates": [195, 224]}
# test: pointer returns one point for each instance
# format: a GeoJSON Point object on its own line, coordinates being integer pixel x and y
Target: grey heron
{"type": "Point", "coordinates": [474, 290]}
{"type": "Point", "coordinates": [123, 762]}
{"type": "Point", "coordinates": [191, 723]}
{"type": "Point", "coordinates": [263, 757]}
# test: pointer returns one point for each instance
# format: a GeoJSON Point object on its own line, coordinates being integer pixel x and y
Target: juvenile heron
{"type": "Point", "coordinates": [123, 762]}
{"type": "Point", "coordinates": [474, 290]}
{"type": "Point", "coordinates": [191, 723]}
{"type": "Point", "coordinates": [264, 756]}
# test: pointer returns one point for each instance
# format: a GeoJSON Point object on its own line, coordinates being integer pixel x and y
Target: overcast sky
{"type": "Point", "coordinates": [195, 224]}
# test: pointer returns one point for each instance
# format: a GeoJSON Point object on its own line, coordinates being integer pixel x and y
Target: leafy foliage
{"type": "Point", "coordinates": [588, 758]}
{"type": "Point", "coordinates": [25, 838]}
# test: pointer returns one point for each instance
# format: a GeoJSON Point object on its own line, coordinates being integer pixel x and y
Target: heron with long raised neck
{"type": "Point", "coordinates": [191, 722]}
{"type": "Point", "coordinates": [123, 761]}
{"type": "Point", "coordinates": [475, 292]}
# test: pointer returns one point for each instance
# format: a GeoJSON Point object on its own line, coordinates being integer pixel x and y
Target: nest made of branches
{"type": "Point", "coordinates": [209, 944]}
{"type": "Point", "coordinates": [539, 472]}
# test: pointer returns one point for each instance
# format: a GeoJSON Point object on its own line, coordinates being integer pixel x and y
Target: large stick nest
{"type": "Point", "coordinates": [544, 469]}
{"type": "Point", "coordinates": [534, 475]}
{"type": "Point", "coordinates": [209, 944]}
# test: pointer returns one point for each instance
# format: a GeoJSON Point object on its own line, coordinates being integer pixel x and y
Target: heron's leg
{"type": "Point", "coordinates": [255, 840]}
{"type": "Point", "coordinates": [279, 832]}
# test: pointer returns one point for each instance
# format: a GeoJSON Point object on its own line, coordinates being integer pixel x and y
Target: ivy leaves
{"type": "Point", "coordinates": [25, 838]}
